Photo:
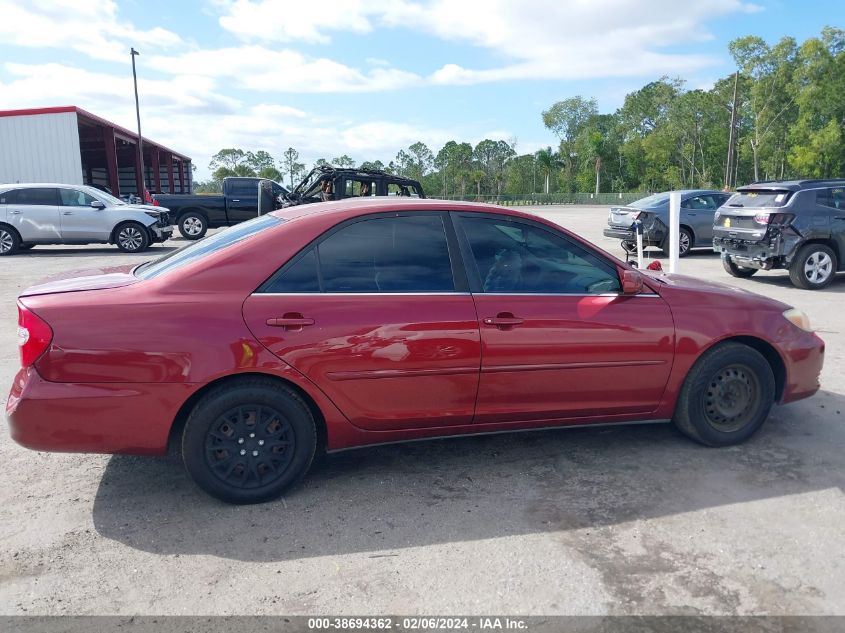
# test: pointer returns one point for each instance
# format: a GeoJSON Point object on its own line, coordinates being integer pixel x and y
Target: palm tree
{"type": "Point", "coordinates": [547, 160]}
{"type": "Point", "coordinates": [477, 177]}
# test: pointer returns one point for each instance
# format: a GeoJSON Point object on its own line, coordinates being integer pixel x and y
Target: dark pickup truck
{"type": "Point", "coordinates": [195, 214]}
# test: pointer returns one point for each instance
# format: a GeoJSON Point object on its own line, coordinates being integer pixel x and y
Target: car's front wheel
{"type": "Point", "coordinates": [726, 396]}
{"type": "Point", "coordinates": [132, 237]}
{"type": "Point", "coordinates": [735, 270]}
{"type": "Point", "coordinates": [249, 440]}
{"type": "Point", "coordinates": [192, 225]}
{"type": "Point", "coordinates": [814, 267]}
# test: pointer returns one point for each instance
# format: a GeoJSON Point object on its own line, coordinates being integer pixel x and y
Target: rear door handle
{"type": "Point", "coordinates": [290, 322]}
{"type": "Point", "coordinates": [233, 200]}
{"type": "Point", "coordinates": [67, 213]}
{"type": "Point", "coordinates": [14, 212]}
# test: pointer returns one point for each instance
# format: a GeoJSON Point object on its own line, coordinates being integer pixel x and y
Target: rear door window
{"type": "Point", "coordinates": [378, 255]}
{"type": "Point", "coordinates": [833, 198]}
{"type": "Point", "coordinates": [40, 196]}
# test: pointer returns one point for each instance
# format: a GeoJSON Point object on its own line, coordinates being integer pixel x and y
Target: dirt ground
{"type": "Point", "coordinates": [633, 520]}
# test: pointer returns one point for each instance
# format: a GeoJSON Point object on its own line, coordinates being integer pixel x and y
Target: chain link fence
{"type": "Point", "coordinates": [604, 199]}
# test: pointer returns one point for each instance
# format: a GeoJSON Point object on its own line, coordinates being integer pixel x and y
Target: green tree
{"type": "Point", "coordinates": [566, 119]}
{"type": "Point", "coordinates": [291, 165]}
{"type": "Point", "coordinates": [343, 161]}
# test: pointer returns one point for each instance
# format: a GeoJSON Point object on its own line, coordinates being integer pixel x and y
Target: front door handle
{"type": "Point", "coordinates": [292, 321]}
{"type": "Point", "coordinates": [504, 320]}
{"type": "Point", "coordinates": [14, 212]}
{"type": "Point", "coordinates": [233, 200]}
{"type": "Point", "coordinates": [67, 213]}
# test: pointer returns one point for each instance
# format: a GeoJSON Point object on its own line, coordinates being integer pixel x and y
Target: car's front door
{"type": "Point", "coordinates": [79, 220]}
{"type": "Point", "coordinates": [34, 212]}
{"type": "Point", "coordinates": [559, 339]}
{"type": "Point", "coordinates": [377, 316]}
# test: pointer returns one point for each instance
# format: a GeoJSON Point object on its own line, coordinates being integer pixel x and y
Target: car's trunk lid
{"type": "Point", "coordinates": [622, 216]}
{"type": "Point", "coordinates": [87, 279]}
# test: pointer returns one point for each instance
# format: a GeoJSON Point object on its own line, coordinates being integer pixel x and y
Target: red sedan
{"type": "Point", "coordinates": [331, 326]}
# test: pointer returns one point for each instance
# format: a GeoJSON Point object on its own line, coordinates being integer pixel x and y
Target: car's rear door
{"type": "Point", "coordinates": [242, 200]}
{"type": "Point", "coordinates": [559, 340]}
{"type": "Point", "coordinates": [377, 314]}
{"type": "Point", "coordinates": [34, 212]}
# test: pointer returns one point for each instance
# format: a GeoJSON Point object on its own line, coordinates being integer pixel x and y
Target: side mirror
{"type": "Point", "coordinates": [96, 204]}
{"type": "Point", "coordinates": [632, 282]}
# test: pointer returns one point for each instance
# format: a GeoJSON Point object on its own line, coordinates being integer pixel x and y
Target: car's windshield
{"type": "Point", "coordinates": [654, 200]}
{"type": "Point", "coordinates": [106, 197]}
{"type": "Point", "coordinates": [756, 199]}
{"type": "Point", "coordinates": [205, 247]}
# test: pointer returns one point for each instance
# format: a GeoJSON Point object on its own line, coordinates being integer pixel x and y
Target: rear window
{"type": "Point", "coordinates": [754, 199]}
{"type": "Point", "coordinates": [654, 200]}
{"type": "Point", "coordinates": [205, 247]}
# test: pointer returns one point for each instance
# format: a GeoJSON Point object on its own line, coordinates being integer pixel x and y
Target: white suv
{"type": "Point", "coordinates": [32, 214]}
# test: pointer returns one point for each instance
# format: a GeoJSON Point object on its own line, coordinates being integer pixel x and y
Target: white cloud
{"type": "Point", "coordinates": [91, 27]}
{"type": "Point", "coordinates": [535, 39]}
{"type": "Point", "coordinates": [189, 115]}
{"type": "Point", "coordinates": [265, 70]}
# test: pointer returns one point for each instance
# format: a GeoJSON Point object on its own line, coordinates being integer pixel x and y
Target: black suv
{"type": "Point", "coordinates": [798, 225]}
{"type": "Point", "coordinates": [335, 183]}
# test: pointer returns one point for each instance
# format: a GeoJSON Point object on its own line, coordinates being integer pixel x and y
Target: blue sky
{"type": "Point", "coordinates": [367, 78]}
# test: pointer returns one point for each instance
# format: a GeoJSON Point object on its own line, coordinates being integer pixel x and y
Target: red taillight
{"type": "Point", "coordinates": [636, 215]}
{"type": "Point", "coordinates": [34, 336]}
{"type": "Point", "coordinates": [156, 203]}
{"type": "Point", "coordinates": [761, 218]}
{"type": "Point", "coordinates": [778, 219]}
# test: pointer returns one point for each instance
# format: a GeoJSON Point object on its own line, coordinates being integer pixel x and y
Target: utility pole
{"type": "Point", "coordinates": [729, 167]}
{"type": "Point", "coordinates": [140, 138]}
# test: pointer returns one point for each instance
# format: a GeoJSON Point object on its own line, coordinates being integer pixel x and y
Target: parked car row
{"type": "Point", "coordinates": [796, 225]}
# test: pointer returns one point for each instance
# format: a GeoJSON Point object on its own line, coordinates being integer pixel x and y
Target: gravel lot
{"type": "Point", "coordinates": [634, 520]}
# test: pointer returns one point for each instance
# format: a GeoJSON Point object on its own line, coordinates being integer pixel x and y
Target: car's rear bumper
{"type": "Point", "coordinates": [629, 235]}
{"type": "Point", "coordinates": [93, 417]}
{"type": "Point", "coordinates": [775, 250]}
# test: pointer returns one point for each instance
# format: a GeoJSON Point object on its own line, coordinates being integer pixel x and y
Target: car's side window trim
{"type": "Point", "coordinates": [459, 277]}
{"type": "Point", "coordinates": [474, 275]}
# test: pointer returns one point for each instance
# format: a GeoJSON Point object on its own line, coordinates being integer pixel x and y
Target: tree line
{"type": "Point", "coordinates": [782, 115]}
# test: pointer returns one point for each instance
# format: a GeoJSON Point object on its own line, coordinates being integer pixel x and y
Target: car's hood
{"type": "Point", "coordinates": [86, 279]}
{"type": "Point", "coordinates": [146, 208]}
{"type": "Point", "coordinates": [673, 285]}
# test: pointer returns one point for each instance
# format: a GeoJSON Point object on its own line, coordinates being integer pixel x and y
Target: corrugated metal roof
{"type": "Point", "coordinates": [92, 117]}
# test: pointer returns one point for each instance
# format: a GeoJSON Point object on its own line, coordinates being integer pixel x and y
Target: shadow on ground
{"type": "Point", "coordinates": [417, 494]}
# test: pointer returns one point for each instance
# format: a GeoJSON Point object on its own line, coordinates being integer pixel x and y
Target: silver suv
{"type": "Point", "coordinates": [32, 214]}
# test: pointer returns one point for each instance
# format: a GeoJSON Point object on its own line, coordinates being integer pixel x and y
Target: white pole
{"type": "Point", "coordinates": [639, 249]}
{"type": "Point", "coordinates": [674, 229]}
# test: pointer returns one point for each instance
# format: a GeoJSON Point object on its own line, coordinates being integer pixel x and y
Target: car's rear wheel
{"type": "Point", "coordinates": [814, 267]}
{"type": "Point", "coordinates": [726, 396]}
{"type": "Point", "coordinates": [735, 270]}
{"type": "Point", "coordinates": [132, 237]}
{"type": "Point", "coordinates": [192, 225]}
{"type": "Point", "coordinates": [248, 441]}
{"type": "Point", "coordinates": [10, 241]}
{"type": "Point", "coordinates": [685, 242]}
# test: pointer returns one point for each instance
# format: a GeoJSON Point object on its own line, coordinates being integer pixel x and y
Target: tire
{"type": "Point", "coordinates": [235, 428]}
{"type": "Point", "coordinates": [735, 270]}
{"type": "Point", "coordinates": [10, 241]}
{"type": "Point", "coordinates": [192, 225]}
{"type": "Point", "coordinates": [814, 267]}
{"type": "Point", "coordinates": [726, 396]}
{"type": "Point", "coordinates": [132, 237]}
{"type": "Point", "coordinates": [685, 242]}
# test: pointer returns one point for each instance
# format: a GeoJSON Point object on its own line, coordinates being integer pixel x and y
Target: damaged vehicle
{"type": "Point", "coordinates": [325, 183]}
{"type": "Point", "coordinates": [796, 225]}
{"type": "Point", "coordinates": [698, 207]}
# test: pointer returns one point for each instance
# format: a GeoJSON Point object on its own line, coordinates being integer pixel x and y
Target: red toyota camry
{"type": "Point", "coordinates": [330, 326]}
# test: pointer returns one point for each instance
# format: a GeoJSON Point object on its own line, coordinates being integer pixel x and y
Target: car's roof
{"type": "Point", "coordinates": [352, 207]}
{"type": "Point", "coordinates": [795, 185]}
